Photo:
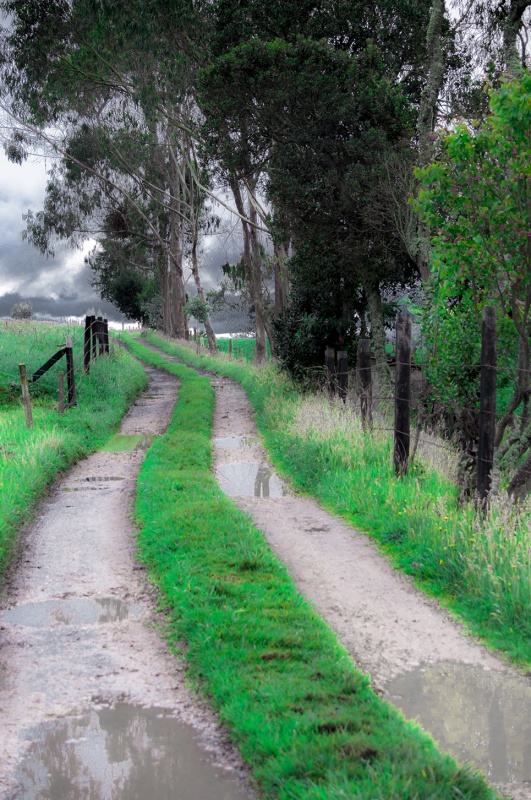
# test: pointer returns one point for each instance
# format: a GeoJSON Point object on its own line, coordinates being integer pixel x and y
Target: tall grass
{"type": "Point", "coordinates": [31, 458]}
{"type": "Point", "coordinates": [480, 567]}
{"type": "Point", "coordinates": [304, 718]}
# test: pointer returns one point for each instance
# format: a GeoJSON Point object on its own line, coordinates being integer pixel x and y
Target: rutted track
{"type": "Point", "coordinates": [418, 657]}
{"type": "Point", "coordinates": [78, 640]}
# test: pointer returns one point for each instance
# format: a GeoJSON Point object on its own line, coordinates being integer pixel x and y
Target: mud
{"type": "Point", "coordinates": [79, 637]}
{"type": "Point", "coordinates": [388, 626]}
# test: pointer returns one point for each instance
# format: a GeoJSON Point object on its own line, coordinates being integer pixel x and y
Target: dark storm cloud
{"type": "Point", "coordinates": [57, 287]}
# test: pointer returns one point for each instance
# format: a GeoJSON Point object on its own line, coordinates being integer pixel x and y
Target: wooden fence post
{"type": "Point", "coordinates": [61, 392]}
{"type": "Point", "coordinates": [487, 404]}
{"type": "Point", "coordinates": [26, 395]}
{"type": "Point", "coordinates": [99, 335]}
{"type": "Point", "coordinates": [87, 344]}
{"type": "Point", "coordinates": [402, 392]}
{"type": "Point", "coordinates": [342, 374]}
{"type": "Point", "coordinates": [230, 349]}
{"type": "Point", "coordinates": [70, 372]}
{"type": "Point", "coordinates": [365, 382]}
{"type": "Point", "coordinates": [330, 369]}
{"type": "Point", "coordinates": [94, 336]}
{"type": "Point", "coordinates": [106, 336]}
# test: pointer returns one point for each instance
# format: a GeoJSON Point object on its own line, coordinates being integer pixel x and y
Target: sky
{"type": "Point", "coordinates": [59, 287]}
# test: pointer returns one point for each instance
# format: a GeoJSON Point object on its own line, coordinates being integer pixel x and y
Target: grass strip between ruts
{"type": "Point", "coordinates": [481, 572]}
{"type": "Point", "coordinates": [304, 718]}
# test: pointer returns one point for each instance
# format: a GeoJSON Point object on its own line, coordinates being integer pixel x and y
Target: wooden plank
{"type": "Point", "coordinates": [70, 379]}
{"type": "Point", "coordinates": [87, 343]}
{"type": "Point", "coordinates": [45, 367]}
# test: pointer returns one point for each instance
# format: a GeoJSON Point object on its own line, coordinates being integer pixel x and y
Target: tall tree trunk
{"type": "Point", "coordinates": [427, 118]}
{"type": "Point", "coordinates": [514, 64]}
{"type": "Point", "coordinates": [211, 336]}
{"type": "Point", "coordinates": [174, 321]}
{"type": "Point", "coordinates": [374, 303]}
{"type": "Point", "coordinates": [252, 262]}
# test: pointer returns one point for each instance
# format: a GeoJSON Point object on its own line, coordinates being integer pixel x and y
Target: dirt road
{"type": "Point", "coordinates": [91, 700]}
{"type": "Point", "coordinates": [417, 656]}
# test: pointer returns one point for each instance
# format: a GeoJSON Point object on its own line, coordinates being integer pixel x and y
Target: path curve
{"type": "Point", "coordinates": [78, 630]}
{"type": "Point", "coordinates": [394, 632]}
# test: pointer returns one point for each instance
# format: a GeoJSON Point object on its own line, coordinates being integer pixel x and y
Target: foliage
{"type": "Point", "coordinates": [256, 648]}
{"type": "Point", "coordinates": [22, 310]}
{"type": "Point", "coordinates": [477, 200]}
{"type": "Point", "coordinates": [198, 308]}
{"type": "Point", "coordinates": [30, 459]}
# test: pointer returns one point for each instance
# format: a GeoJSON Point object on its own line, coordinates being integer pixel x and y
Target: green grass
{"type": "Point", "coordinates": [304, 718]}
{"type": "Point", "coordinates": [479, 568]}
{"type": "Point", "coordinates": [242, 348]}
{"type": "Point", "coordinates": [31, 458]}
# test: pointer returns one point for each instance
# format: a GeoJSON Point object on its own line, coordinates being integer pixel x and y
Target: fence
{"type": "Point", "coordinates": [337, 372]}
{"type": "Point", "coordinates": [95, 344]}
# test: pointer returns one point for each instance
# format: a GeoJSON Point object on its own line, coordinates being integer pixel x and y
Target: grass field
{"type": "Point", "coordinates": [31, 458]}
{"type": "Point", "coordinates": [480, 567]}
{"type": "Point", "coordinates": [303, 717]}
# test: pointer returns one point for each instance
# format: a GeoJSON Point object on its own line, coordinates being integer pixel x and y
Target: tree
{"type": "Point", "coordinates": [477, 201]}
{"type": "Point", "coordinates": [327, 122]}
{"type": "Point", "coordinates": [115, 81]}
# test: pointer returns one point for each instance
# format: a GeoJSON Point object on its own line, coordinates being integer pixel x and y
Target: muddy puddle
{"type": "Point", "coordinates": [119, 752]}
{"type": "Point", "coordinates": [476, 714]}
{"type": "Point", "coordinates": [249, 479]}
{"type": "Point", "coordinates": [236, 442]}
{"type": "Point", "coordinates": [77, 611]}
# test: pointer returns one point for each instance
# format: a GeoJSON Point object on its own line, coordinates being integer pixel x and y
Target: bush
{"type": "Point", "coordinates": [22, 310]}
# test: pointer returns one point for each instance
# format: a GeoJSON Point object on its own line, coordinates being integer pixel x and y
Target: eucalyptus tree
{"type": "Point", "coordinates": [90, 76]}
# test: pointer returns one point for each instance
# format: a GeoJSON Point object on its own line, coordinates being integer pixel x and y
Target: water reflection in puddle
{"type": "Point", "coordinates": [476, 715]}
{"type": "Point", "coordinates": [249, 479]}
{"type": "Point", "coordinates": [236, 442]}
{"type": "Point", "coordinates": [78, 611]}
{"type": "Point", "coordinates": [125, 752]}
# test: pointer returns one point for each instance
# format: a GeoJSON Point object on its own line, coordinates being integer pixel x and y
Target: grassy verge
{"type": "Point", "coordinates": [31, 458]}
{"type": "Point", "coordinates": [481, 569]}
{"type": "Point", "coordinates": [303, 717]}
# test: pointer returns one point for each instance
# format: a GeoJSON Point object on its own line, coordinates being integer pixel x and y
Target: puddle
{"type": "Point", "coordinates": [477, 715]}
{"type": "Point", "coordinates": [236, 442]}
{"type": "Point", "coordinates": [119, 753]}
{"type": "Point", "coordinates": [78, 611]}
{"type": "Point", "coordinates": [249, 479]}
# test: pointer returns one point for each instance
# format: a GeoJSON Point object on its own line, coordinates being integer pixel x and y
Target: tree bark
{"type": "Point", "coordinates": [252, 262]}
{"type": "Point", "coordinates": [427, 118]}
{"type": "Point", "coordinates": [174, 322]}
